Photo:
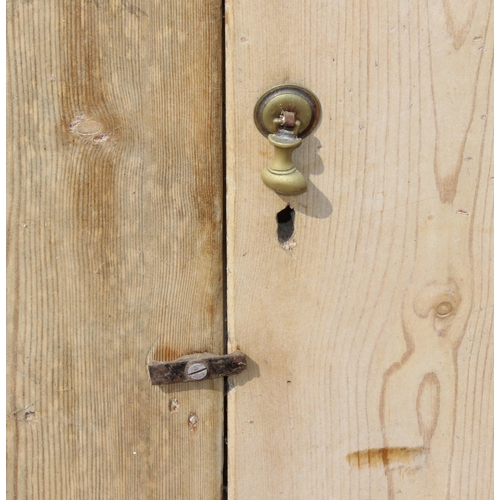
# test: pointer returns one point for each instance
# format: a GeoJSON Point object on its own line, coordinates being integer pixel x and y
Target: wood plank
{"type": "Point", "coordinates": [356, 387]}
{"type": "Point", "coordinates": [115, 232]}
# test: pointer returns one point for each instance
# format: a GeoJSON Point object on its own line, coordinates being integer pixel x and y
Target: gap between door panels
{"type": "Point", "coordinates": [224, 492]}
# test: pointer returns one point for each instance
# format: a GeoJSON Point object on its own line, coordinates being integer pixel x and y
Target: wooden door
{"type": "Point", "coordinates": [115, 247]}
{"type": "Point", "coordinates": [370, 331]}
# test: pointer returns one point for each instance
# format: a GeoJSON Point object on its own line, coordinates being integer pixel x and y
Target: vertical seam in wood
{"type": "Point", "coordinates": [224, 492]}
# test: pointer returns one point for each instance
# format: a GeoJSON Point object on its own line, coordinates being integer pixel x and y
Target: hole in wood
{"type": "Point", "coordinates": [285, 219]}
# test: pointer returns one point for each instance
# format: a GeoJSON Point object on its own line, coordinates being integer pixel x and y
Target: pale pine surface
{"type": "Point", "coordinates": [357, 389]}
{"type": "Point", "coordinates": [114, 257]}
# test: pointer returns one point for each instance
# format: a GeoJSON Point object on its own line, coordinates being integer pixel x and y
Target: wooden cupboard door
{"type": "Point", "coordinates": [370, 331]}
{"type": "Point", "coordinates": [114, 247]}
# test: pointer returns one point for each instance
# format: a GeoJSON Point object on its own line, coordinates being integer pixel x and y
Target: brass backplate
{"type": "Point", "coordinates": [287, 97]}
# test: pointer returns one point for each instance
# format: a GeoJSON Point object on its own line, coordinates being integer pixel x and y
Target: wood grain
{"type": "Point", "coordinates": [114, 247]}
{"type": "Point", "coordinates": [369, 337]}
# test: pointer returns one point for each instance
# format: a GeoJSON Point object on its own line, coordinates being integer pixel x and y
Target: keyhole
{"type": "Point", "coordinates": [285, 219]}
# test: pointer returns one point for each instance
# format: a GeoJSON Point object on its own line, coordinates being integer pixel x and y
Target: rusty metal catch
{"type": "Point", "coordinates": [195, 367]}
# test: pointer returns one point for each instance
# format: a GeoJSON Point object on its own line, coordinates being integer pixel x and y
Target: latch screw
{"type": "Point", "coordinates": [196, 371]}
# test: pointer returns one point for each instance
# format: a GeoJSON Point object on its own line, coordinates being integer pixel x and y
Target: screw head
{"type": "Point", "coordinates": [196, 371]}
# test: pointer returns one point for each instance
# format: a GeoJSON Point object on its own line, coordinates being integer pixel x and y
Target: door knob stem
{"type": "Point", "coordinates": [281, 175]}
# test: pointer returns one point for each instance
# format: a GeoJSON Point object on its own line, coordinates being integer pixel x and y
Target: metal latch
{"type": "Point", "coordinates": [194, 367]}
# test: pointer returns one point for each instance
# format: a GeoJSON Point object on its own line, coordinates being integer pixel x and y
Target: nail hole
{"type": "Point", "coordinates": [285, 219]}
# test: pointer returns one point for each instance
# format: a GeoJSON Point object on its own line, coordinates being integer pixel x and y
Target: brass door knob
{"type": "Point", "coordinates": [285, 115]}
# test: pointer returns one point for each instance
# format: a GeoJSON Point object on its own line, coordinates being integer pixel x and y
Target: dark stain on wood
{"type": "Point", "coordinates": [133, 9]}
{"type": "Point", "coordinates": [95, 162]}
{"type": "Point", "coordinates": [380, 457]}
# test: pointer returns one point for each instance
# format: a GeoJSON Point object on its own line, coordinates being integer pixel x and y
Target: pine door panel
{"type": "Point", "coordinates": [370, 332]}
{"type": "Point", "coordinates": [114, 247]}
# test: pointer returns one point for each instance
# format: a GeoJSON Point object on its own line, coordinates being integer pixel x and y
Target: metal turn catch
{"type": "Point", "coordinates": [285, 114]}
{"type": "Point", "coordinates": [194, 367]}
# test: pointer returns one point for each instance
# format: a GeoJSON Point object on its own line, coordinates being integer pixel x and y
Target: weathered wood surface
{"type": "Point", "coordinates": [114, 247]}
{"type": "Point", "coordinates": [370, 337]}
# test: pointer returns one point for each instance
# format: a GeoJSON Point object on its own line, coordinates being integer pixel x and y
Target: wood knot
{"type": "Point", "coordinates": [444, 308]}
{"type": "Point", "coordinates": [88, 129]}
{"type": "Point", "coordinates": [442, 300]}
